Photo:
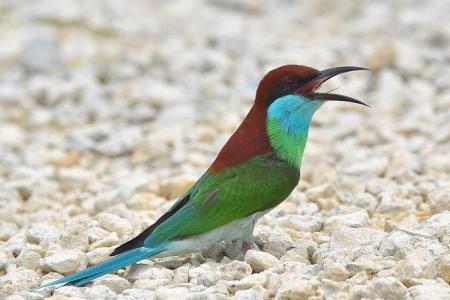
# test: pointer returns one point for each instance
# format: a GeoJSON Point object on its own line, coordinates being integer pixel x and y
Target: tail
{"type": "Point", "coordinates": [111, 265]}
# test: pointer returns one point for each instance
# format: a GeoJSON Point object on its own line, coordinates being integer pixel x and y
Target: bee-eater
{"type": "Point", "coordinates": [255, 171]}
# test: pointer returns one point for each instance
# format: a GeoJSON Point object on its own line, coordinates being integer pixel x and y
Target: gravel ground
{"type": "Point", "coordinates": [112, 109]}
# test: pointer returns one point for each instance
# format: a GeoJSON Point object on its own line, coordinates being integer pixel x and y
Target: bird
{"type": "Point", "coordinates": [257, 169]}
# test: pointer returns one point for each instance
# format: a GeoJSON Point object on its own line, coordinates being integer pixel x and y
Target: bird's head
{"type": "Point", "coordinates": [285, 102]}
{"type": "Point", "coordinates": [294, 82]}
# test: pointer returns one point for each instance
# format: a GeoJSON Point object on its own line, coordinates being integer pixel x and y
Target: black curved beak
{"type": "Point", "coordinates": [323, 76]}
{"type": "Point", "coordinates": [333, 97]}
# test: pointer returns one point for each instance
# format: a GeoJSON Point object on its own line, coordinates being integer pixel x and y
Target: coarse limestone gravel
{"type": "Point", "coordinates": [109, 110]}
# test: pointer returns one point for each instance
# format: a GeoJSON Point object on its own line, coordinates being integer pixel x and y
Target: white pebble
{"type": "Point", "coordinates": [37, 233]}
{"type": "Point", "coordinates": [260, 261]}
{"type": "Point", "coordinates": [116, 283]}
{"type": "Point", "coordinates": [444, 268]}
{"type": "Point", "coordinates": [418, 263]}
{"type": "Point", "coordinates": [115, 224]}
{"type": "Point", "coordinates": [65, 261]}
{"type": "Point", "coordinates": [136, 294]}
{"type": "Point", "coordinates": [3, 260]}
{"type": "Point", "coordinates": [296, 289]}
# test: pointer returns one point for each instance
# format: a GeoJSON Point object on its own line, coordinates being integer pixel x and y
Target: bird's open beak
{"type": "Point", "coordinates": [308, 90]}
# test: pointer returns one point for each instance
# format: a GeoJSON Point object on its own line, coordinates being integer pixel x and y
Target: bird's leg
{"type": "Point", "coordinates": [247, 245]}
{"type": "Point", "coordinates": [236, 249]}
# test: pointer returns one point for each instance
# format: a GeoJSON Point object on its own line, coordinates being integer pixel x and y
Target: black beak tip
{"type": "Point", "coordinates": [365, 104]}
{"type": "Point", "coordinates": [329, 73]}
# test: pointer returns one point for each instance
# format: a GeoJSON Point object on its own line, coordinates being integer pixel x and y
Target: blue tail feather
{"type": "Point", "coordinates": [112, 264]}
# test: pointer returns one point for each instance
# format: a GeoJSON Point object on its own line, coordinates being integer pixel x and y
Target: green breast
{"type": "Point", "coordinates": [288, 145]}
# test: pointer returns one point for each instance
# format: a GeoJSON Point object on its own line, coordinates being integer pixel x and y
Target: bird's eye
{"type": "Point", "coordinates": [288, 82]}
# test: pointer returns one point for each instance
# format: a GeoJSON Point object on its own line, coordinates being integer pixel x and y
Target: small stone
{"type": "Point", "coordinates": [96, 234]}
{"type": "Point", "coordinates": [37, 233]}
{"type": "Point", "coordinates": [110, 240]}
{"type": "Point", "coordinates": [301, 223]}
{"type": "Point", "coordinates": [116, 283]}
{"type": "Point", "coordinates": [335, 271]}
{"type": "Point", "coordinates": [18, 280]}
{"type": "Point", "coordinates": [384, 288]}
{"type": "Point", "coordinates": [439, 200]}
{"type": "Point", "coordinates": [3, 260]}
{"type": "Point", "coordinates": [347, 237]}
{"type": "Point", "coordinates": [396, 242]}
{"type": "Point", "coordinates": [206, 275]}
{"type": "Point", "coordinates": [173, 262]}
{"type": "Point", "coordinates": [358, 279]}
{"type": "Point", "coordinates": [418, 263]}
{"type": "Point", "coordinates": [12, 135]}
{"type": "Point", "coordinates": [383, 56]}
{"type": "Point", "coordinates": [297, 289]}
{"type": "Point", "coordinates": [430, 291]}
{"type": "Point", "coordinates": [389, 288]}
{"type": "Point", "coordinates": [143, 271]}
{"type": "Point", "coordinates": [370, 264]}
{"type": "Point", "coordinates": [219, 291]}
{"type": "Point", "coordinates": [70, 292]}
{"type": "Point", "coordinates": [98, 255]}
{"type": "Point", "coordinates": [181, 275]}
{"type": "Point", "coordinates": [16, 243]}
{"type": "Point", "coordinates": [260, 261]}
{"type": "Point", "coordinates": [29, 260]}
{"type": "Point", "coordinates": [137, 294]}
{"type": "Point", "coordinates": [122, 142]}
{"type": "Point", "coordinates": [320, 191]}
{"type": "Point", "coordinates": [99, 292]}
{"type": "Point", "coordinates": [177, 186]}
{"type": "Point", "coordinates": [144, 201]}
{"type": "Point", "coordinates": [248, 282]}
{"type": "Point", "coordinates": [65, 262]}
{"type": "Point", "coordinates": [15, 297]}
{"type": "Point", "coordinates": [437, 225]}
{"type": "Point", "coordinates": [366, 201]}
{"type": "Point", "coordinates": [235, 270]}
{"type": "Point", "coordinates": [321, 238]}
{"type": "Point", "coordinates": [356, 219]}
{"type": "Point", "coordinates": [171, 293]}
{"type": "Point", "coordinates": [115, 224]}
{"type": "Point", "coordinates": [41, 51]}
{"type": "Point", "coordinates": [444, 268]}
{"type": "Point", "coordinates": [255, 293]}
{"type": "Point", "coordinates": [297, 254]}
{"type": "Point", "coordinates": [111, 197]}
{"type": "Point", "coordinates": [74, 240]}
{"type": "Point", "coordinates": [374, 166]}
{"type": "Point", "coordinates": [274, 242]}
{"type": "Point", "coordinates": [393, 205]}
{"type": "Point", "coordinates": [7, 230]}
{"type": "Point", "coordinates": [75, 178]}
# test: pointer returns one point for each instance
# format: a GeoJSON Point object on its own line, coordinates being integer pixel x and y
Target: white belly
{"type": "Point", "coordinates": [241, 229]}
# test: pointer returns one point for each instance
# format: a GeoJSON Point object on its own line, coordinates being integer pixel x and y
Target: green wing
{"type": "Point", "coordinates": [234, 193]}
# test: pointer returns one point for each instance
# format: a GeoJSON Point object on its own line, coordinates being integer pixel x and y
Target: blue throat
{"type": "Point", "coordinates": [288, 121]}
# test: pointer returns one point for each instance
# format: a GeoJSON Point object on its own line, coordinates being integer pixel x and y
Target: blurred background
{"type": "Point", "coordinates": [101, 100]}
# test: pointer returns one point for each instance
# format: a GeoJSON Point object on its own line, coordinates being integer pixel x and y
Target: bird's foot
{"type": "Point", "coordinates": [236, 249]}
{"type": "Point", "coordinates": [247, 245]}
